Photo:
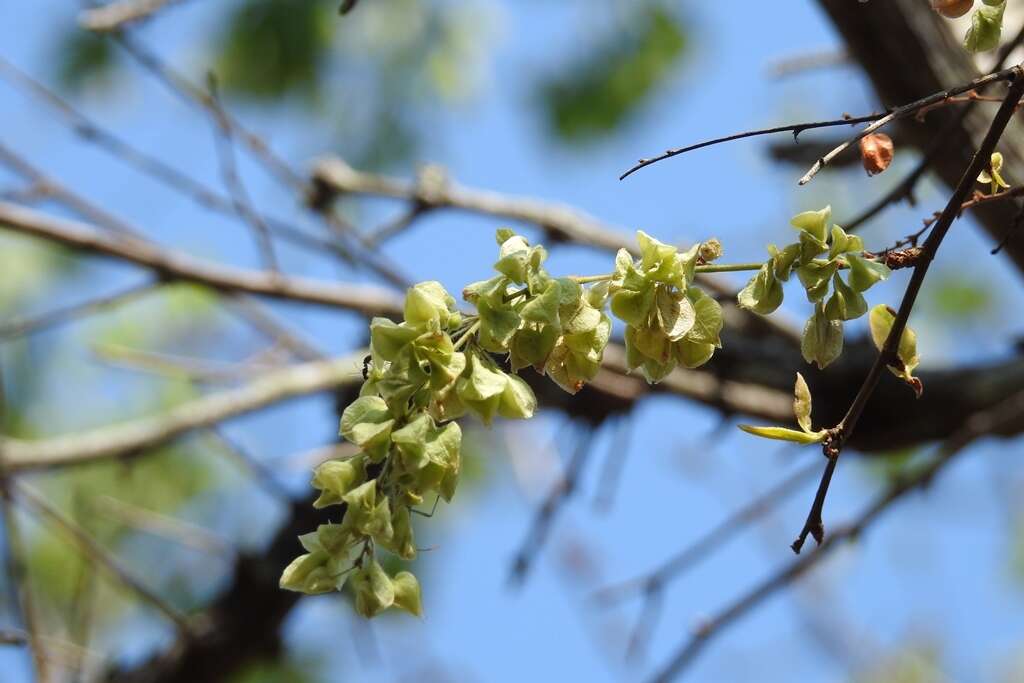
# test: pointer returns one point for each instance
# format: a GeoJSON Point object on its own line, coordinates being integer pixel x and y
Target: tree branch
{"type": "Point", "coordinates": [842, 431]}
{"type": "Point", "coordinates": [1009, 412]}
{"type": "Point", "coordinates": [168, 264]}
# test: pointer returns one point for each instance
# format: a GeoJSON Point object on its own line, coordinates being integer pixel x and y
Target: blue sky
{"type": "Point", "coordinates": [683, 473]}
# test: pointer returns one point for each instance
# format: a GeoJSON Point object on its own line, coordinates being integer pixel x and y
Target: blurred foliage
{"type": "Point", "coordinates": [283, 671]}
{"type": "Point", "coordinates": [911, 665]}
{"type": "Point", "coordinates": [599, 91]}
{"type": "Point", "coordinates": [402, 57]}
{"type": "Point", "coordinates": [28, 268]}
{"type": "Point", "coordinates": [272, 48]}
{"type": "Point", "coordinates": [960, 297]}
{"type": "Point", "coordinates": [1017, 554]}
{"type": "Point", "coordinates": [162, 480]}
{"type": "Point", "coordinates": [85, 59]}
{"type": "Point", "coordinates": [887, 467]}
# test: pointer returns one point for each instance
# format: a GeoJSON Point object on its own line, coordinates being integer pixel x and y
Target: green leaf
{"type": "Point", "coordinates": [692, 354]}
{"type": "Point", "coordinates": [367, 423]}
{"type": "Point", "coordinates": [653, 344]}
{"type": "Point", "coordinates": [810, 247]}
{"type": "Point", "coordinates": [675, 313]}
{"type": "Point", "coordinates": [814, 223]}
{"type": "Point", "coordinates": [307, 574]}
{"type": "Point", "coordinates": [763, 293]}
{"type": "Point", "coordinates": [802, 403]}
{"type": "Point", "coordinates": [388, 338]}
{"type": "Point", "coordinates": [633, 307]}
{"type": "Point", "coordinates": [783, 434]}
{"type": "Point", "coordinates": [502, 235]}
{"type": "Point", "coordinates": [544, 307]}
{"type": "Point", "coordinates": [845, 303]}
{"type": "Point", "coordinates": [815, 276]}
{"type": "Point", "coordinates": [492, 290]}
{"type": "Point", "coordinates": [325, 567]}
{"type": "Point", "coordinates": [428, 304]}
{"type": "Point", "coordinates": [822, 339]}
{"type": "Point", "coordinates": [514, 259]}
{"type": "Point", "coordinates": [865, 273]}
{"type": "Point", "coordinates": [498, 322]}
{"type": "Point", "coordinates": [518, 401]}
{"type": "Point", "coordinates": [411, 438]}
{"type": "Point", "coordinates": [842, 243]}
{"type": "Point", "coordinates": [335, 478]}
{"type": "Point", "coordinates": [402, 541]}
{"type": "Point", "coordinates": [782, 261]}
{"type": "Point", "coordinates": [581, 321]}
{"type": "Point", "coordinates": [480, 388]}
{"type": "Point", "coordinates": [407, 593]}
{"type": "Point", "coordinates": [986, 28]}
{"type": "Point", "coordinates": [880, 321]}
{"type": "Point", "coordinates": [708, 323]}
{"type": "Point", "coordinates": [374, 590]}
{"type": "Point", "coordinates": [532, 345]}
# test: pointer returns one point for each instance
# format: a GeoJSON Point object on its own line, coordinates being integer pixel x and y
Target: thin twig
{"type": "Point", "coordinates": [97, 554]}
{"type": "Point", "coordinates": [24, 327]}
{"type": "Point", "coordinates": [264, 320]}
{"type": "Point", "coordinates": [261, 151]}
{"type": "Point", "coordinates": [708, 541]}
{"type": "Point", "coordinates": [157, 169]}
{"type": "Point", "coordinates": [907, 110]}
{"type": "Point", "coordinates": [233, 181]}
{"type": "Point", "coordinates": [15, 560]}
{"type": "Point", "coordinates": [120, 13]}
{"type": "Point", "coordinates": [814, 525]}
{"type": "Point", "coordinates": [162, 525]}
{"type": "Point", "coordinates": [263, 474]}
{"type": "Point", "coordinates": [989, 421]}
{"type": "Point", "coordinates": [795, 129]}
{"type": "Point", "coordinates": [166, 263]}
{"type": "Point", "coordinates": [131, 437]}
{"type": "Point", "coordinates": [905, 188]}
{"type": "Point", "coordinates": [614, 464]}
{"type": "Point", "coordinates": [560, 493]}
{"type": "Point", "coordinates": [48, 187]}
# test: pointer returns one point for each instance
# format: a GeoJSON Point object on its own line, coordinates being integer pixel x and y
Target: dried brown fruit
{"type": "Point", "coordinates": [876, 152]}
{"type": "Point", "coordinates": [951, 9]}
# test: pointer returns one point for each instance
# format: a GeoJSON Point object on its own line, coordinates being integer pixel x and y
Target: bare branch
{"type": "Point", "coordinates": [23, 327]}
{"type": "Point", "coordinates": [795, 129]}
{"type": "Point", "coordinates": [165, 526]}
{"type": "Point", "coordinates": [97, 554]}
{"type": "Point", "coordinates": [160, 171]}
{"type": "Point", "coordinates": [560, 493]}
{"type": "Point", "coordinates": [131, 437]}
{"type": "Point", "coordinates": [706, 544]}
{"type": "Point", "coordinates": [118, 14]}
{"type": "Point", "coordinates": [833, 446]}
{"type": "Point", "coordinates": [233, 181]}
{"type": "Point", "coordinates": [907, 110]}
{"type": "Point", "coordinates": [168, 264]}
{"type": "Point", "coordinates": [1007, 413]}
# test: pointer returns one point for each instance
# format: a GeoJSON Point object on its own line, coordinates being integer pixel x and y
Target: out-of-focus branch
{"type": "Point", "coordinates": [233, 181]}
{"type": "Point", "coordinates": [127, 438]}
{"type": "Point", "coordinates": [333, 178]}
{"type": "Point", "coordinates": [981, 424]}
{"type": "Point", "coordinates": [559, 494]}
{"type": "Point", "coordinates": [838, 435]}
{"type": "Point", "coordinates": [23, 327]}
{"type": "Point", "coordinates": [95, 553]}
{"type": "Point", "coordinates": [116, 15]}
{"type": "Point", "coordinates": [168, 264]}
